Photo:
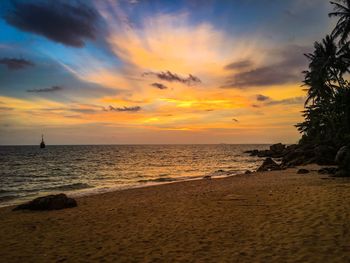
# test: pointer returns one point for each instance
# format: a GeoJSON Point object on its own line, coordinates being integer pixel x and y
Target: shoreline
{"type": "Point", "coordinates": [277, 216]}
{"type": "Point", "coordinates": [91, 191]}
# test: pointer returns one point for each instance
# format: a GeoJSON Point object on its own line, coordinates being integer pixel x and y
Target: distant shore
{"type": "Point", "coordinates": [278, 216]}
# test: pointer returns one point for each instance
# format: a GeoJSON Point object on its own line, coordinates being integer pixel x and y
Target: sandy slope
{"type": "Point", "coordinates": [265, 217]}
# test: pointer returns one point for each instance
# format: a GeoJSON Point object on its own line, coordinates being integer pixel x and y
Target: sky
{"type": "Point", "coordinates": [155, 71]}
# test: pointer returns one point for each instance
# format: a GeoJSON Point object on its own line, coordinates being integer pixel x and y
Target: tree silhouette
{"type": "Point", "coordinates": [327, 106]}
{"type": "Point", "coordinates": [342, 28]}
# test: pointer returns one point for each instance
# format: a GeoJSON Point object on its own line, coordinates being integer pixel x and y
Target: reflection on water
{"type": "Point", "coordinates": [27, 171]}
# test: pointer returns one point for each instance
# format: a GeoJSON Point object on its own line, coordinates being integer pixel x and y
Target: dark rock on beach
{"type": "Point", "coordinates": [277, 148]}
{"type": "Point", "coordinates": [303, 171]}
{"type": "Point", "coordinates": [324, 154]}
{"type": "Point", "coordinates": [49, 202]}
{"type": "Point", "coordinates": [328, 170]}
{"type": "Point", "coordinates": [269, 165]}
{"type": "Point", "coordinates": [343, 160]}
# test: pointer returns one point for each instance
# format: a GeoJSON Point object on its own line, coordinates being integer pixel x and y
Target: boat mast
{"type": "Point", "coordinates": [42, 144]}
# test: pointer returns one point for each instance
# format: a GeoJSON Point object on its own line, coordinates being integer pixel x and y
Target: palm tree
{"type": "Point", "coordinates": [326, 68]}
{"type": "Point", "coordinates": [327, 107]}
{"type": "Point", "coordinates": [342, 29]}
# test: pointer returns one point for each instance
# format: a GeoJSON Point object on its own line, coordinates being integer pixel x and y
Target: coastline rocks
{"type": "Point", "coordinates": [275, 151]}
{"type": "Point", "coordinates": [299, 154]}
{"type": "Point", "coordinates": [277, 148]}
{"type": "Point", "coordinates": [303, 171]}
{"type": "Point", "coordinates": [324, 154]}
{"type": "Point", "coordinates": [269, 165]}
{"type": "Point", "coordinates": [328, 170]}
{"type": "Point", "coordinates": [248, 172]}
{"type": "Point", "coordinates": [253, 152]}
{"type": "Point", "coordinates": [343, 160]}
{"type": "Point", "coordinates": [49, 202]}
{"type": "Point", "coordinates": [309, 153]}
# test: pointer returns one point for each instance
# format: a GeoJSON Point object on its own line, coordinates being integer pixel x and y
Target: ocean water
{"type": "Point", "coordinates": [28, 171]}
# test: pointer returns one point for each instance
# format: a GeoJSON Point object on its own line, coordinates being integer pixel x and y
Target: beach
{"type": "Point", "coordinates": [277, 216]}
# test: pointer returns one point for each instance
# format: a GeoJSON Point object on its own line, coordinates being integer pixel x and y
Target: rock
{"type": "Point", "coordinates": [277, 148]}
{"type": "Point", "coordinates": [324, 154]}
{"type": "Point", "coordinates": [296, 155]}
{"type": "Point", "coordinates": [269, 165]}
{"type": "Point", "coordinates": [342, 173]}
{"type": "Point", "coordinates": [49, 202]}
{"type": "Point", "coordinates": [303, 171]}
{"type": "Point", "coordinates": [293, 158]}
{"type": "Point", "coordinates": [291, 148]}
{"type": "Point", "coordinates": [328, 170]}
{"type": "Point", "coordinates": [342, 158]}
{"type": "Point", "coordinates": [275, 151]}
{"type": "Point", "coordinates": [341, 155]}
{"type": "Point", "coordinates": [265, 153]}
{"type": "Point", "coordinates": [207, 177]}
{"type": "Point", "coordinates": [247, 172]}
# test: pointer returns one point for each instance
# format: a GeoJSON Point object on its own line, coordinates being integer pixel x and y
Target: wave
{"type": "Point", "coordinates": [158, 180]}
{"type": "Point", "coordinates": [68, 187]}
{"type": "Point", "coordinates": [8, 197]}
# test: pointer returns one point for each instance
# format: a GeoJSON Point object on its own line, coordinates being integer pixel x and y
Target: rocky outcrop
{"type": "Point", "coordinates": [50, 202]}
{"type": "Point", "coordinates": [275, 151]}
{"type": "Point", "coordinates": [269, 165]}
{"type": "Point", "coordinates": [277, 148]}
{"type": "Point", "coordinates": [299, 154]}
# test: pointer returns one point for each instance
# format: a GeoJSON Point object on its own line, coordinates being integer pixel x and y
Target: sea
{"type": "Point", "coordinates": [27, 172]}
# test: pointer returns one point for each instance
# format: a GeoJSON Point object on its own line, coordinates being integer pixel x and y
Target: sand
{"type": "Point", "coordinates": [264, 217]}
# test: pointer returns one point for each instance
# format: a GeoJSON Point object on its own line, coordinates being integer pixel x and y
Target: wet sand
{"type": "Point", "coordinates": [264, 217]}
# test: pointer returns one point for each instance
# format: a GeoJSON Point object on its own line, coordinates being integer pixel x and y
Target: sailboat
{"type": "Point", "coordinates": [42, 144]}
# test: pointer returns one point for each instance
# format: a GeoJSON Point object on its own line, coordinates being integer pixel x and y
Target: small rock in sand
{"type": "Point", "coordinates": [303, 171]}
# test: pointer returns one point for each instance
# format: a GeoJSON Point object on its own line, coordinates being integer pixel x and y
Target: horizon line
{"type": "Point", "coordinates": [111, 144]}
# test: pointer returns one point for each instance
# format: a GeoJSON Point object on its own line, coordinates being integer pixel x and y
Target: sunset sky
{"type": "Point", "coordinates": [148, 71]}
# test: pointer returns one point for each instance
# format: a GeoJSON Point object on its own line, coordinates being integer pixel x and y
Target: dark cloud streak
{"type": "Point", "coordinates": [159, 85]}
{"type": "Point", "coordinates": [287, 70]}
{"type": "Point", "coordinates": [239, 65]}
{"type": "Point", "coordinates": [60, 21]}
{"type": "Point", "coordinates": [289, 101]}
{"type": "Point", "coordinates": [16, 63]}
{"type": "Point", "coordinates": [124, 109]}
{"type": "Point", "coordinates": [261, 97]}
{"type": "Point", "coordinates": [173, 77]}
{"type": "Point", "coordinates": [52, 89]}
